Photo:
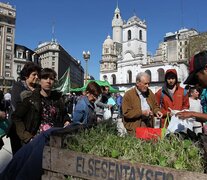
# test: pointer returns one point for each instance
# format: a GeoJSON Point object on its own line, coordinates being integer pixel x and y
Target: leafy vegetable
{"type": "Point", "coordinates": [172, 152]}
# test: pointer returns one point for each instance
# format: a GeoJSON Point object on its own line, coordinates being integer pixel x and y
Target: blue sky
{"type": "Point", "coordinates": [84, 24]}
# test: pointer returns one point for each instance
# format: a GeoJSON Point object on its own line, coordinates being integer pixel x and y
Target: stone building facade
{"type": "Point", "coordinates": [22, 55]}
{"type": "Point", "coordinates": [197, 43]}
{"type": "Point", "coordinates": [53, 55]}
{"type": "Point", "coordinates": [125, 54]}
{"type": "Point", "coordinates": [7, 35]}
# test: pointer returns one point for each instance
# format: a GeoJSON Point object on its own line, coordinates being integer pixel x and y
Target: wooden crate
{"type": "Point", "coordinates": [58, 162]}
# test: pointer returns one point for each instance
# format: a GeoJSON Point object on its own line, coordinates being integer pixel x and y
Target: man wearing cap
{"type": "Point", "coordinates": [171, 96]}
{"type": "Point", "coordinates": [197, 75]}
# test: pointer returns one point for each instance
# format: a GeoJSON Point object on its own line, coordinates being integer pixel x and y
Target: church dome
{"type": "Point", "coordinates": [108, 41]}
{"type": "Point", "coordinates": [133, 19]}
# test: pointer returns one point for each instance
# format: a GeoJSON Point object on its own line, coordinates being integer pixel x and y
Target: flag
{"type": "Point", "coordinates": [63, 84]}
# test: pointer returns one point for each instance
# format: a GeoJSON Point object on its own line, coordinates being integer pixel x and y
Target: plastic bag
{"type": "Point", "coordinates": [107, 114]}
{"type": "Point", "coordinates": [179, 125]}
{"type": "Point", "coordinates": [148, 133]}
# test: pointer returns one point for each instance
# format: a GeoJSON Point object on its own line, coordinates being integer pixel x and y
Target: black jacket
{"type": "Point", "coordinates": [27, 116]}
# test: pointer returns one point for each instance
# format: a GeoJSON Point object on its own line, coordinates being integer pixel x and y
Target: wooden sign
{"type": "Point", "coordinates": [66, 162]}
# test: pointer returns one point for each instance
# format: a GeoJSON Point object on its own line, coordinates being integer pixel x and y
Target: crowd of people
{"type": "Point", "coordinates": [35, 109]}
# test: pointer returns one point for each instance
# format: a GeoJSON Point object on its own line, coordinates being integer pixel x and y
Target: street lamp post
{"type": "Point", "coordinates": [86, 57]}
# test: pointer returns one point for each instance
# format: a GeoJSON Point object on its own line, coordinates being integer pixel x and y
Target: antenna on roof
{"type": "Point", "coordinates": [134, 12]}
{"type": "Point", "coordinates": [182, 21]}
{"type": "Point", "coordinates": [53, 31]}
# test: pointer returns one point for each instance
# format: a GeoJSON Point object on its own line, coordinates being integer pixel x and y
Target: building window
{"type": "Point", "coordinates": [8, 47]}
{"type": "Point", "coordinates": [113, 79]}
{"type": "Point", "coordinates": [149, 73]}
{"type": "Point", "coordinates": [140, 34]}
{"type": "Point", "coordinates": [129, 77]}
{"type": "Point", "coordinates": [161, 75]}
{"type": "Point", "coordinates": [19, 67]}
{"type": "Point", "coordinates": [9, 39]}
{"type": "Point", "coordinates": [105, 78]}
{"type": "Point", "coordinates": [53, 63]}
{"type": "Point", "coordinates": [53, 58]}
{"type": "Point", "coordinates": [20, 55]}
{"type": "Point", "coordinates": [186, 52]}
{"type": "Point", "coordinates": [7, 74]}
{"type": "Point", "coordinates": [106, 50]}
{"type": "Point", "coordinates": [9, 30]}
{"type": "Point", "coordinates": [9, 22]}
{"type": "Point", "coordinates": [7, 65]}
{"type": "Point", "coordinates": [186, 42]}
{"type": "Point", "coordinates": [129, 34]}
{"type": "Point", "coordinates": [8, 56]}
{"type": "Point", "coordinates": [180, 43]}
{"type": "Point", "coordinates": [10, 13]}
{"type": "Point", "coordinates": [117, 16]}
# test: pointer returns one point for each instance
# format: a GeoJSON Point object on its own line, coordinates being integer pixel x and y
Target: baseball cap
{"type": "Point", "coordinates": [196, 64]}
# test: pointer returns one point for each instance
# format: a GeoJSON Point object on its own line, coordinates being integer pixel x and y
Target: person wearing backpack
{"type": "Point", "coordinates": [171, 96]}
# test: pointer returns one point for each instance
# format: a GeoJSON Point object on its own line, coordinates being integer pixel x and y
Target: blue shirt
{"type": "Point", "coordinates": [84, 111]}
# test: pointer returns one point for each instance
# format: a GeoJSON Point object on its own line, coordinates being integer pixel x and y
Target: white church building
{"type": "Point", "coordinates": [125, 54]}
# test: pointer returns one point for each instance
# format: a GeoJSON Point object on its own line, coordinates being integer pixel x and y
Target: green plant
{"type": "Point", "coordinates": [172, 152]}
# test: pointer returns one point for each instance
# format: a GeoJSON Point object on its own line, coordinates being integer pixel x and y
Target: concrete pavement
{"type": "Point", "coordinates": [5, 154]}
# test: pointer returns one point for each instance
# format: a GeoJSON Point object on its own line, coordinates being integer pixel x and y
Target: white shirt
{"type": "Point", "coordinates": [195, 105]}
{"type": "Point", "coordinates": [144, 104]}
